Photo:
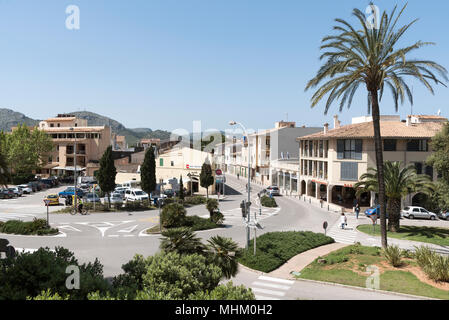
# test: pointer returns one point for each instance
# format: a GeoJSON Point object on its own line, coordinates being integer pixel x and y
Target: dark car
{"type": "Point", "coordinates": [7, 193]}
{"type": "Point", "coordinates": [48, 182]}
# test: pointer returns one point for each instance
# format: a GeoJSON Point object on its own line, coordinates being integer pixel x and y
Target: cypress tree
{"type": "Point", "coordinates": [106, 174]}
{"type": "Point", "coordinates": [148, 171]}
{"type": "Point", "coordinates": [181, 189]}
{"type": "Point", "coordinates": [206, 177]}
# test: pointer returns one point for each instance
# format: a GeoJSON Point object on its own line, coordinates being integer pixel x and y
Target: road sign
{"type": "Point", "coordinates": [218, 172]}
{"type": "Point", "coordinates": [47, 202]}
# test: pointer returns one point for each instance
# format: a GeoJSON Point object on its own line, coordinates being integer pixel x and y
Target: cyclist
{"type": "Point", "coordinates": [80, 205]}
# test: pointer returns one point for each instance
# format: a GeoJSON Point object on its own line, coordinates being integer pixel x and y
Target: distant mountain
{"type": "Point", "coordinates": [10, 118]}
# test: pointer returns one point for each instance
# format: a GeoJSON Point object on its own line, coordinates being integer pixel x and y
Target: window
{"type": "Point", "coordinates": [417, 145]}
{"type": "Point", "coordinates": [349, 149]}
{"type": "Point", "coordinates": [418, 167]}
{"type": "Point", "coordinates": [172, 163]}
{"type": "Point", "coordinates": [161, 162]}
{"type": "Point", "coordinates": [389, 145]}
{"type": "Point", "coordinates": [349, 171]}
{"type": "Point", "coordinates": [429, 171]}
{"type": "Point", "coordinates": [51, 125]}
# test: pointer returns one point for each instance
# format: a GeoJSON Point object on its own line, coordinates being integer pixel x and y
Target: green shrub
{"type": "Point", "coordinates": [28, 274]}
{"type": "Point", "coordinates": [393, 255]}
{"type": "Point", "coordinates": [225, 292]}
{"type": "Point", "coordinates": [195, 200]}
{"type": "Point", "coordinates": [217, 217]}
{"type": "Point", "coordinates": [276, 248]}
{"type": "Point", "coordinates": [173, 215]}
{"type": "Point", "coordinates": [435, 266]}
{"type": "Point", "coordinates": [197, 223]}
{"type": "Point", "coordinates": [35, 227]}
{"type": "Point", "coordinates": [268, 202]}
{"type": "Point", "coordinates": [118, 206]}
{"type": "Point", "coordinates": [211, 205]}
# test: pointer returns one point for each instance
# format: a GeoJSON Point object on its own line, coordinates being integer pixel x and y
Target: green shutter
{"type": "Point", "coordinates": [161, 162]}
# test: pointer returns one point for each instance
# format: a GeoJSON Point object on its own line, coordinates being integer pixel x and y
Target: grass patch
{"type": "Point", "coordinates": [268, 202]}
{"type": "Point", "coordinates": [439, 236]}
{"type": "Point", "coordinates": [348, 266]}
{"type": "Point", "coordinates": [36, 227]}
{"type": "Point", "coordinates": [276, 248]}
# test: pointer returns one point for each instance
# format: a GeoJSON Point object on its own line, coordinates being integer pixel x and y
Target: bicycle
{"type": "Point", "coordinates": [84, 211]}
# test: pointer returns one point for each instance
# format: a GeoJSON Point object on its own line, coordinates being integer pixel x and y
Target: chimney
{"type": "Point", "coordinates": [326, 128]}
{"type": "Point", "coordinates": [336, 122]}
{"type": "Point", "coordinates": [409, 121]}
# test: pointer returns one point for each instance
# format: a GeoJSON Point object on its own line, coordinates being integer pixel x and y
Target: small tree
{"type": "Point", "coordinates": [206, 177]}
{"type": "Point", "coordinates": [211, 206]}
{"type": "Point", "coordinates": [181, 189]}
{"type": "Point", "coordinates": [148, 171]}
{"type": "Point", "coordinates": [173, 215]}
{"type": "Point", "coordinates": [106, 174]}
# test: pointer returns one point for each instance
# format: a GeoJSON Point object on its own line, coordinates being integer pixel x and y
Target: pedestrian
{"type": "Point", "coordinates": [343, 221]}
{"type": "Point", "coordinates": [238, 176]}
{"type": "Point", "coordinates": [357, 210]}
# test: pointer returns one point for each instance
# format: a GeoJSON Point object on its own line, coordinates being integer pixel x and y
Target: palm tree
{"type": "Point", "coordinates": [368, 57]}
{"type": "Point", "coordinates": [225, 254]}
{"type": "Point", "coordinates": [399, 182]}
{"type": "Point", "coordinates": [182, 241]}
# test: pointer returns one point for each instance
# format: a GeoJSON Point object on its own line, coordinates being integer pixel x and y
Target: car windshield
{"type": "Point", "coordinates": [139, 193]}
{"type": "Point", "coordinates": [92, 195]}
{"type": "Point", "coordinates": [116, 195]}
{"type": "Point", "coordinates": [52, 196]}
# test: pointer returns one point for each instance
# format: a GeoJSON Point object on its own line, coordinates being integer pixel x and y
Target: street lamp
{"type": "Point", "coordinates": [233, 123]}
{"type": "Point", "coordinates": [74, 172]}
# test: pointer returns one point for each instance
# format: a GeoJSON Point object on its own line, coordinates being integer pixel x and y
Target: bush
{"type": "Point", "coordinates": [28, 274]}
{"type": "Point", "coordinates": [268, 202]}
{"type": "Point", "coordinates": [195, 200]}
{"type": "Point", "coordinates": [276, 248]}
{"type": "Point", "coordinates": [197, 223]}
{"type": "Point", "coordinates": [225, 292]}
{"type": "Point", "coordinates": [35, 227]}
{"type": "Point", "coordinates": [180, 275]}
{"type": "Point", "coordinates": [173, 215]}
{"type": "Point", "coordinates": [211, 206]}
{"type": "Point", "coordinates": [393, 255]}
{"type": "Point", "coordinates": [217, 217]}
{"type": "Point", "coordinates": [435, 266]}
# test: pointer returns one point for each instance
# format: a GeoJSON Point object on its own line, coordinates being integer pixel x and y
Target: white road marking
{"type": "Point", "coordinates": [276, 280]}
{"type": "Point", "coordinates": [259, 297]}
{"type": "Point", "coordinates": [267, 291]}
{"type": "Point", "coordinates": [129, 230]}
{"type": "Point", "coordinates": [69, 228]}
{"type": "Point", "coordinates": [271, 285]}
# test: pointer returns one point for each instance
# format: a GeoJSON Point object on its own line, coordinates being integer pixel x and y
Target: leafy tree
{"type": "Point", "coordinates": [206, 177]}
{"type": "Point", "coordinates": [148, 171]}
{"type": "Point", "coordinates": [180, 275]}
{"type": "Point", "coordinates": [369, 57]}
{"type": "Point", "coordinates": [4, 169]}
{"type": "Point", "coordinates": [173, 215]}
{"type": "Point", "coordinates": [26, 149]}
{"type": "Point", "coordinates": [225, 254]}
{"type": "Point", "coordinates": [106, 173]}
{"type": "Point", "coordinates": [439, 161]}
{"type": "Point", "coordinates": [181, 189]}
{"type": "Point", "coordinates": [126, 285]}
{"type": "Point", "coordinates": [182, 241]}
{"type": "Point", "coordinates": [28, 274]}
{"type": "Point", "coordinates": [225, 292]}
{"type": "Point", "coordinates": [399, 182]}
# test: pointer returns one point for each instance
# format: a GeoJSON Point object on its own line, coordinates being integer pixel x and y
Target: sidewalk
{"type": "Point", "coordinates": [302, 260]}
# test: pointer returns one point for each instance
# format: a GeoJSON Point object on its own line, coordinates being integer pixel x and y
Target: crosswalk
{"type": "Point", "coordinates": [269, 288]}
{"type": "Point", "coordinates": [347, 235]}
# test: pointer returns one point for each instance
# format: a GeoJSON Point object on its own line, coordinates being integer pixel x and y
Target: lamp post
{"type": "Point", "coordinates": [74, 171]}
{"type": "Point", "coordinates": [233, 123]}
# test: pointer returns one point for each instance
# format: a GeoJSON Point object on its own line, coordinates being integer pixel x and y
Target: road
{"type": "Point", "coordinates": [114, 238]}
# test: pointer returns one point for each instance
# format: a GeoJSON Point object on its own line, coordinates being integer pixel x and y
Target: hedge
{"type": "Point", "coordinates": [35, 227]}
{"type": "Point", "coordinates": [276, 248]}
{"type": "Point", "coordinates": [268, 202]}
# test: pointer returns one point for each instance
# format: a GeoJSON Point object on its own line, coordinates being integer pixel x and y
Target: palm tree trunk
{"type": "Point", "coordinates": [380, 165]}
{"type": "Point", "coordinates": [394, 211]}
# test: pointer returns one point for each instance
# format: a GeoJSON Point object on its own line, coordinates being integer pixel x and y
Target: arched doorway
{"type": "Point", "coordinates": [419, 200]}
{"type": "Point", "coordinates": [323, 192]}
{"type": "Point", "coordinates": [303, 187]}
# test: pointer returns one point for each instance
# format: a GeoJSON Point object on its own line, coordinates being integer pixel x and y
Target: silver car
{"type": "Point", "coordinates": [273, 190]}
{"type": "Point", "coordinates": [418, 212]}
{"type": "Point", "coordinates": [116, 197]}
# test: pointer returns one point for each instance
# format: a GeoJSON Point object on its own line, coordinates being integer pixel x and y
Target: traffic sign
{"type": "Point", "coordinates": [218, 172]}
{"type": "Point", "coordinates": [47, 202]}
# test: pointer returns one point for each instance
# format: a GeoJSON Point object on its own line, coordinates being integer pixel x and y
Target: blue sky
{"type": "Point", "coordinates": [162, 64]}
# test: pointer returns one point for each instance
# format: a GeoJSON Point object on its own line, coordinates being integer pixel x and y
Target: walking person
{"type": "Point", "coordinates": [343, 221]}
{"type": "Point", "coordinates": [357, 211]}
{"type": "Point", "coordinates": [238, 176]}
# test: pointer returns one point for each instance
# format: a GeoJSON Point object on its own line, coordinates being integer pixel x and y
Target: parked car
{"type": "Point", "coordinates": [418, 212]}
{"type": "Point", "coordinates": [136, 195]}
{"type": "Point", "coordinates": [70, 191]}
{"type": "Point", "coordinates": [26, 189]}
{"type": "Point", "coordinates": [116, 197]}
{"type": "Point", "coordinates": [6, 194]}
{"type": "Point", "coordinates": [17, 191]}
{"type": "Point", "coordinates": [443, 214]}
{"type": "Point", "coordinates": [91, 198]}
{"type": "Point", "coordinates": [53, 198]}
{"type": "Point", "coordinates": [49, 183]}
{"type": "Point", "coordinates": [374, 210]}
{"type": "Point", "coordinates": [169, 193]}
{"type": "Point", "coordinates": [273, 190]}
{"type": "Point", "coordinates": [9, 192]}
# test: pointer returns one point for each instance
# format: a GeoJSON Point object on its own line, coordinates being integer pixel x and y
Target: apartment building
{"type": "Point", "coordinates": [332, 161]}
{"type": "Point", "coordinates": [91, 143]}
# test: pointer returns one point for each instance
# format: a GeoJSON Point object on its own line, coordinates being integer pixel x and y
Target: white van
{"type": "Point", "coordinates": [130, 184]}
{"type": "Point", "coordinates": [136, 195]}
